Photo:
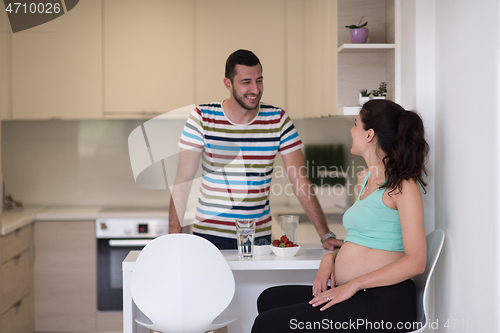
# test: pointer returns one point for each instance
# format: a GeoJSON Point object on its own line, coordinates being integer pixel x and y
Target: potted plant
{"type": "Point", "coordinates": [364, 96]}
{"type": "Point", "coordinates": [358, 33]}
{"type": "Point", "coordinates": [381, 92]}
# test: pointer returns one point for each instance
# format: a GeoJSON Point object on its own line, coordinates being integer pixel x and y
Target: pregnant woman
{"type": "Point", "coordinates": [371, 276]}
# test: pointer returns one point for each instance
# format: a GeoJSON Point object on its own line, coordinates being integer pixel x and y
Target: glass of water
{"type": "Point", "coordinates": [289, 225]}
{"type": "Point", "coordinates": [245, 234]}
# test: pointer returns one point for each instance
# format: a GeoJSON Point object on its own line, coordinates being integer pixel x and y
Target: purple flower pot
{"type": "Point", "coordinates": [358, 36]}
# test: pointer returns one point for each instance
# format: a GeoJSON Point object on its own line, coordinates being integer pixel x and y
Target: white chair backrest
{"type": "Point", "coordinates": [435, 242]}
{"type": "Point", "coordinates": [181, 282]}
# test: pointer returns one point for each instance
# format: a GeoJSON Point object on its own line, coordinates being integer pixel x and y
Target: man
{"type": "Point", "coordinates": [237, 140]}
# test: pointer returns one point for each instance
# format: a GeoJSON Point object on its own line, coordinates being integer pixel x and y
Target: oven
{"type": "Point", "coordinates": [116, 237]}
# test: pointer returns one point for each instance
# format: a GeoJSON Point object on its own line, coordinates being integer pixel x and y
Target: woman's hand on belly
{"type": "Point", "coordinates": [326, 272]}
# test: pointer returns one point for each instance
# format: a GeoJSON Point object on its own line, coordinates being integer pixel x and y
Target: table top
{"type": "Point", "coordinates": [306, 258]}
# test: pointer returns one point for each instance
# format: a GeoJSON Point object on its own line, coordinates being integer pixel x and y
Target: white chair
{"type": "Point", "coordinates": [182, 283]}
{"type": "Point", "coordinates": [435, 242]}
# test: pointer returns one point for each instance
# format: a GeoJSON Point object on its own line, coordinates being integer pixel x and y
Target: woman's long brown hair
{"type": "Point", "coordinates": [401, 136]}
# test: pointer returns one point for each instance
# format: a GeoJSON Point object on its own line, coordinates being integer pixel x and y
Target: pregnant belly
{"type": "Point", "coordinates": [354, 260]}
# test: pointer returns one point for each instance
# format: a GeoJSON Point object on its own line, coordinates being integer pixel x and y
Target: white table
{"type": "Point", "coordinates": [251, 276]}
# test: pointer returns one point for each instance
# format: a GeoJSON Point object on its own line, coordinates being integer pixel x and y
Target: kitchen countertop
{"type": "Point", "coordinates": [306, 258]}
{"type": "Point", "coordinates": [20, 217]}
{"type": "Point", "coordinates": [99, 212]}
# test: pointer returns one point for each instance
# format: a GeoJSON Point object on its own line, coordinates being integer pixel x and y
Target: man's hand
{"type": "Point", "coordinates": [332, 243]}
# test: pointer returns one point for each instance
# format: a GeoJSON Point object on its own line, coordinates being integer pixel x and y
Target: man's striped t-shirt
{"type": "Point", "coordinates": [237, 165]}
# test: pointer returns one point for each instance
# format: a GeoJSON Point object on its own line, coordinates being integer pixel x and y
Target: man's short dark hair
{"type": "Point", "coordinates": [240, 57]}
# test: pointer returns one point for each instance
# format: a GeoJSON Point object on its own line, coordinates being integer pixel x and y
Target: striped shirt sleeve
{"type": "Point", "coordinates": [289, 137]}
{"type": "Point", "coordinates": [192, 137]}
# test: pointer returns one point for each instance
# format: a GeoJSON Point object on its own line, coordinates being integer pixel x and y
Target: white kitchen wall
{"type": "Point", "coordinates": [461, 56]}
{"type": "Point", "coordinates": [87, 162]}
{"type": "Point", "coordinates": [73, 163]}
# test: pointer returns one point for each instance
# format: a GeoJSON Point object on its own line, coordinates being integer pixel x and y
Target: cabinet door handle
{"type": "Point", "coordinates": [128, 242]}
{"type": "Point", "coordinates": [17, 258]}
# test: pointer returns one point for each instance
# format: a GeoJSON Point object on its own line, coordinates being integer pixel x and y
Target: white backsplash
{"type": "Point", "coordinates": [87, 162]}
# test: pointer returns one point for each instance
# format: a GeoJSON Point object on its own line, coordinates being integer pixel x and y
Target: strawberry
{"type": "Point", "coordinates": [290, 244]}
{"type": "Point", "coordinates": [282, 245]}
{"type": "Point", "coordinates": [295, 245]}
{"type": "Point", "coordinates": [276, 242]}
{"type": "Point", "coordinates": [284, 239]}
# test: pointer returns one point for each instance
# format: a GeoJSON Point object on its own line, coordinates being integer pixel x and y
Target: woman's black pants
{"type": "Point", "coordinates": [383, 309]}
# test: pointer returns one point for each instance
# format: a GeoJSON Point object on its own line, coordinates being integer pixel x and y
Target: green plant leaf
{"type": "Point", "coordinates": [354, 26]}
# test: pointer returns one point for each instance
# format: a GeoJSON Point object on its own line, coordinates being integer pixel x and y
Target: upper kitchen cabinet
{"type": "Point", "coordinates": [224, 26]}
{"type": "Point", "coordinates": [364, 66]}
{"type": "Point", "coordinates": [57, 66]}
{"type": "Point", "coordinates": [5, 67]}
{"type": "Point", "coordinates": [311, 58]}
{"type": "Point", "coordinates": [148, 57]}
{"type": "Point", "coordinates": [320, 72]}
{"type": "Point", "coordinates": [295, 41]}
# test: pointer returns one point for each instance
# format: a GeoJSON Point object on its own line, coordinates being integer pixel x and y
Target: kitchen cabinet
{"type": "Point", "coordinates": [364, 66]}
{"type": "Point", "coordinates": [298, 53]}
{"type": "Point", "coordinates": [148, 57]}
{"type": "Point", "coordinates": [1, 252]}
{"type": "Point", "coordinates": [57, 67]}
{"type": "Point", "coordinates": [116, 59]}
{"type": "Point", "coordinates": [17, 281]}
{"type": "Point", "coordinates": [65, 276]}
{"type": "Point", "coordinates": [5, 66]}
{"type": "Point", "coordinates": [318, 39]}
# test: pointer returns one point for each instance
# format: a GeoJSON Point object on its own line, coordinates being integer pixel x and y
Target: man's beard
{"type": "Point", "coordinates": [241, 101]}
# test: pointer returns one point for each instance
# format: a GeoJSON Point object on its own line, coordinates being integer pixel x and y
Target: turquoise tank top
{"type": "Point", "coordinates": [369, 222]}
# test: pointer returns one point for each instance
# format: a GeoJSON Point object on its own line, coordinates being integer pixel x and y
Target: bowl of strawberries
{"type": "Point", "coordinates": [283, 247]}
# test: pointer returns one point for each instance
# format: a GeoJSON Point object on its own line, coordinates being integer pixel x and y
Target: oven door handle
{"type": "Point", "coordinates": [129, 242]}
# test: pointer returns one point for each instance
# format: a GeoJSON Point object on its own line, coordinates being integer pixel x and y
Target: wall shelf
{"type": "Point", "coordinates": [349, 110]}
{"type": "Point", "coordinates": [364, 66]}
{"type": "Point", "coordinates": [368, 48]}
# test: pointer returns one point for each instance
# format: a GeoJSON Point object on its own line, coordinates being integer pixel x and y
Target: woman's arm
{"type": "Point", "coordinates": [326, 272]}
{"type": "Point", "coordinates": [411, 214]}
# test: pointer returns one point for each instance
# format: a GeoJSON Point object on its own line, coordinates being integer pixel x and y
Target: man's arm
{"type": "Point", "coordinates": [296, 170]}
{"type": "Point", "coordinates": [188, 165]}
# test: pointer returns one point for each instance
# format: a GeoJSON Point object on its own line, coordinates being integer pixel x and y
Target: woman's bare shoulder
{"type": "Point", "coordinates": [410, 190]}
{"type": "Point", "coordinates": [411, 185]}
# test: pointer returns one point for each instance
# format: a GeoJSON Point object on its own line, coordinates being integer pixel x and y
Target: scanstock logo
{"type": "Point", "coordinates": [28, 14]}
